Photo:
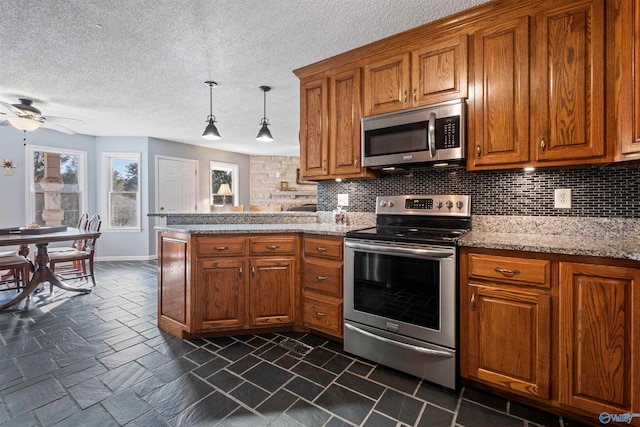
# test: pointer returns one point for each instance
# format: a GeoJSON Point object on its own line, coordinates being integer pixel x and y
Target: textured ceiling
{"type": "Point", "coordinates": [137, 67]}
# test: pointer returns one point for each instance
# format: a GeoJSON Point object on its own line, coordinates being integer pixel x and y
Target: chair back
{"type": "Point", "coordinates": [93, 226]}
{"type": "Point", "coordinates": [255, 208]}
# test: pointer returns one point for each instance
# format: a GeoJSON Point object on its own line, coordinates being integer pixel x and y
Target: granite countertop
{"type": "Point", "coordinates": [315, 228]}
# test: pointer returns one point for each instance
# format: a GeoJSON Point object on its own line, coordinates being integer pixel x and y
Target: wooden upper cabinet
{"type": "Point", "coordinates": [567, 117]}
{"type": "Point", "coordinates": [428, 75]}
{"type": "Point", "coordinates": [314, 131]}
{"type": "Point", "coordinates": [345, 111]}
{"type": "Point", "coordinates": [499, 117]}
{"type": "Point", "coordinates": [600, 327]}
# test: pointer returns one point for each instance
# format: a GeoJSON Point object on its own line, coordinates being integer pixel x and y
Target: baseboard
{"type": "Point", "coordinates": [127, 258]}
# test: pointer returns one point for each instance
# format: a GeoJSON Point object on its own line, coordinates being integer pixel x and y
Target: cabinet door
{"type": "Point", "coordinates": [271, 291]}
{"type": "Point", "coordinates": [345, 110]}
{"type": "Point", "coordinates": [386, 85]}
{"type": "Point", "coordinates": [439, 72]}
{"type": "Point", "coordinates": [314, 132]}
{"type": "Point", "coordinates": [500, 110]}
{"type": "Point", "coordinates": [568, 119]}
{"type": "Point", "coordinates": [599, 332]}
{"type": "Point", "coordinates": [220, 297]}
{"type": "Point", "coordinates": [509, 338]}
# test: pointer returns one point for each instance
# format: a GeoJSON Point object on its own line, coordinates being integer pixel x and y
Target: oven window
{"type": "Point", "coordinates": [398, 288]}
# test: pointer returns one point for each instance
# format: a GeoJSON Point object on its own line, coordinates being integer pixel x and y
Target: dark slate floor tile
{"type": "Point", "coordinates": [379, 420]}
{"type": "Point", "coordinates": [34, 396]}
{"type": "Point", "coordinates": [224, 380]}
{"type": "Point", "coordinates": [395, 379]}
{"type": "Point", "coordinates": [200, 356]}
{"type": "Point", "coordinates": [337, 364]}
{"type": "Point", "coordinates": [438, 396]}
{"type": "Point", "coordinates": [287, 362]}
{"type": "Point", "coordinates": [174, 369]}
{"type": "Point", "coordinates": [89, 392]}
{"type": "Point", "coordinates": [313, 340]}
{"type": "Point", "coordinates": [435, 417]}
{"type": "Point", "coordinates": [313, 373]}
{"type": "Point", "coordinates": [221, 341]}
{"type": "Point", "coordinates": [235, 351]}
{"type": "Point", "coordinates": [318, 356]}
{"type": "Point", "coordinates": [153, 360]}
{"type": "Point", "coordinates": [9, 371]}
{"type": "Point", "coordinates": [207, 412]}
{"type": "Point", "coordinates": [18, 348]}
{"type": "Point", "coordinates": [337, 422]}
{"type": "Point", "coordinates": [242, 417]}
{"type": "Point", "coordinates": [485, 399]}
{"type": "Point", "coordinates": [148, 419]}
{"type": "Point", "coordinates": [126, 406]}
{"type": "Point", "coordinates": [3, 415]}
{"type": "Point", "coordinates": [127, 355]}
{"type": "Point", "coordinates": [360, 368]}
{"type": "Point", "coordinates": [471, 414]}
{"type": "Point", "coordinates": [211, 367]}
{"type": "Point", "coordinates": [304, 388]}
{"type": "Point", "coordinates": [345, 403]}
{"type": "Point", "coordinates": [267, 376]}
{"type": "Point", "coordinates": [272, 353]}
{"type": "Point", "coordinates": [36, 364]}
{"type": "Point", "coordinates": [96, 416]}
{"type": "Point", "coordinates": [83, 375]}
{"type": "Point", "coordinates": [24, 420]}
{"type": "Point", "coordinates": [536, 415]}
{"type": "Point", "coordinates": [279, 402]}
{"type": "Point", "coordinates": [56, 411]}
{"type": "Point", "coordinates": [361, 385]}
{"type": "Point", "coordinates": [65, 339]}
{"type": "Point", "coordinates": [125, 376]}
{"type": "Point", "coordinates": [399, 406]}
{"type": "Point", "coordinates": [176, 396]}
{"type": "Point", "coordinates": [174, 347]}
{"type": "Point", "coordinates": [308, 414]}
{"type": "Point", "coordinates": [249, 394]}
{"type": "Point", "coordinates": [243, 364]}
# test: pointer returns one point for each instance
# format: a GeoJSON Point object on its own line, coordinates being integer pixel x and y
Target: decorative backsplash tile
{"type": "Point", "coordinates": [596, 192]}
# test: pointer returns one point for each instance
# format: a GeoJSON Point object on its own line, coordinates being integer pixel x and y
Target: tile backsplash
{"type": "Point", "coordinates": [596, 192]}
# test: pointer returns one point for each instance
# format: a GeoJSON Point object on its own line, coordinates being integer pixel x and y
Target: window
{"type": "Point", "coordinates": [122, 190]}
{"type": "Point", "coordinates": [57, 182]}
{"type": "Point", "coordinates": [224, 184]}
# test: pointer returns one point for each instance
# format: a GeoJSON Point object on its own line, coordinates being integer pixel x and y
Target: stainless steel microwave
{"type": "Point", "coordinates": [431, 136]}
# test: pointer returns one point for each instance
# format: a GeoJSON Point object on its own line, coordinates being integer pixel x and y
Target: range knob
{"type": "Point", "coordinates": [449, 204]}
{"type": "Point", "coordinates": [383, 204]}
{"type": "Point", "coordinates": [459, 204]}
{"type": "Point", "coordinates": [391, 204]}
{"type": "Point", "coordinates": [439, 204]}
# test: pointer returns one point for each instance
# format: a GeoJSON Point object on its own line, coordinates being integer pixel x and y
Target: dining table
{"type": "Point", "coordinates": [41, 238]}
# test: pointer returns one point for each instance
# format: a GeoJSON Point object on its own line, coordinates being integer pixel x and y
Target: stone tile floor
{"type": "Point", "coordinates": [100, 360]}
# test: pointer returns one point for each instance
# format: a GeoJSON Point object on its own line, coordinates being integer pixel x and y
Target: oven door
{"type": "Point", "coordinates": [406, 289]}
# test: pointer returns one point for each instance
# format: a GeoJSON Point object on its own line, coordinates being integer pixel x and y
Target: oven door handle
{"type": "Point", "coordinates": [424, 252]}
{"type": "Point", "coordinates": [402, 345]}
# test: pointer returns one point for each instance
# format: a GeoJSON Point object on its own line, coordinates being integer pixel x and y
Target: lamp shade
{"type": "Point", "coordinates": [24, 124]}
{"type": "Point", "coordinates": [264, 135]}
{"type": "Point", "coordinates": [224, 189]}
{"type": "Point", "coordinates": [211, 131]}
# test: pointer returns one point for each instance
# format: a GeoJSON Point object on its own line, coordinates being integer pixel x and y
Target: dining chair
{"type": "Point", "coordinates": [79, 257]}
{"type": "Point", "coordinates": [237, 208]}
{"type": "Point", "coordinates": [17, 270]}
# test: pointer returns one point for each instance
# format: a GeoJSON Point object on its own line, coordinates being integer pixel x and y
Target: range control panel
{"type": "Point", "coordinates": [441, 205]}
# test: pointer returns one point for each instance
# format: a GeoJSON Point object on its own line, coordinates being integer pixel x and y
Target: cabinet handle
{"type": "Point", "coordinates": [320, 315]}
{"type": "Point", "coordinates": [473, 301]}
{"type": "Point", "coordinates": [415, 95]}
{"type": "Point", "coordinates": [221, 248]}
{"type": "Point", "coordinates": [240, 272]}
{"type": "Point", "coordinates": [321, 278]}
{"type": "Point", "coordinates": [506, 271]}
{"type": "Point", "coordinates": [543, 145]}
{"type": "Point", "coordinates": [253, 272]}
{"type": "Point", "coordinates": [355, 163]}
{"type": "Point", "coordinates": [321, 249]}
{"type": "Point", "coordinates": [478, 151]}
{"type": "Point", "coordinates": [324, 164]}
{"type": "Point", "coordinates": [405, 96]}
{"type": "Point", "coordinates": [272, 247]}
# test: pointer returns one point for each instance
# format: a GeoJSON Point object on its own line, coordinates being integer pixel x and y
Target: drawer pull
{"type": "Point", "coordinates": [507, 271]}
{"type": "Point", "coordinates": [272, 247]}
{"type": "Point", "coordinates": [321, 249]}
{"type": "Point", "coordinates": [320, 314]}
{"type": "Point", "coordinates": [473, 301]}
{"type": "Point", "coordinates": [321, 278]}
{"type": "Point", "coordinates": [221, 248]}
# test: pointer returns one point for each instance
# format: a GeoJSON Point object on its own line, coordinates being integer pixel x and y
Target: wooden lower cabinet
{"type": "Point", "coordinates": [220, 293]}
{"type": "Point", "coordinates": [562, 330]}
{"type": "Point", "coordinates": [271, 291]}
{"type": "Point", "coordinates": [600, 338]}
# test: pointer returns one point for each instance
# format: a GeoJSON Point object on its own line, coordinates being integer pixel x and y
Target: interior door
{"type": "Point", "coordinates": [177, 183]}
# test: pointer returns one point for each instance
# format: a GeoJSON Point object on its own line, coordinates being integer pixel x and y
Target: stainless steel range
{"type": "Point", "coordinates": [400, 282]}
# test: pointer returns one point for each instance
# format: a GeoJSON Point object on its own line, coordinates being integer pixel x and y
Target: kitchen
{"type": "Point", "coordinates": [519, 194]}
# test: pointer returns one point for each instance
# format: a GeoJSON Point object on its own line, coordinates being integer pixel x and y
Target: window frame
{"type": "Point", "coordinates": [30, 151]}
{"type": "Point", "coordinates": [107, 165]}
{"type": "Point", "coordinates": [235, 176]}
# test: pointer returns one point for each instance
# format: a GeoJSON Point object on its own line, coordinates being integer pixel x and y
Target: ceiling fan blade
{"type": "Point", "coordinates": [59, 128]}
{"type": "Point", "coordinates": [58, 119]}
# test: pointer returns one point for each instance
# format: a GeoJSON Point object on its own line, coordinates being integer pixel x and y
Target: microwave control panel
{"type": "Point", "coordinates": [448, 132]}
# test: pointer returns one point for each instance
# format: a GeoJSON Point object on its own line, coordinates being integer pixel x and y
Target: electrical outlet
{"type": "Point", "coordinates": [343, 199]}
{"type": "Point", "coordinates": [562, 198]}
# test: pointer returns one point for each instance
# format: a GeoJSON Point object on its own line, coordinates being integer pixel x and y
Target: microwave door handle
{"type": "Point", "coordinates": [431, 137]}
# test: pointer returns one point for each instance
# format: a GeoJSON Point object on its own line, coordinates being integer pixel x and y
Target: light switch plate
{"type": "Point", "coordinates": [562, 198]}
{"type": "Point", "coordinates": [343, 199]}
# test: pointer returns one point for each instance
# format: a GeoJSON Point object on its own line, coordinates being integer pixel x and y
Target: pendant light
{"type": "Point", "coordinates": [211, 131]}
{"type": "Point", "coordinates": [264, 135]}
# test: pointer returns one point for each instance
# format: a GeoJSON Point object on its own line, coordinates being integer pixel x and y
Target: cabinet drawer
{"type": "Point", "coordinates": [323, 247]}
{"type": "Point", "coordinates": [273, 245]}
{"type": "Point", "coordinates": [323, 315]}
{"type": "Point", "coordinates": [323, 276]}
{"type": "Point", "coordinates": [222, 246]}
{"type": "Point", "coordinates": [522, 271]}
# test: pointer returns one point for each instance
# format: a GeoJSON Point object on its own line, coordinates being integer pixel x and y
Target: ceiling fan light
{"type": "Point", "coordinates": [24, 124]}
{"type": "Point", "coordinates": [265, 134]}
{"type": "Point", "coordinates": [211, 131]}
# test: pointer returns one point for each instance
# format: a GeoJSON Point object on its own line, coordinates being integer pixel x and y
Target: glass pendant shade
{"type": "Point", "coordinates": [265, 134]}
{"type": "Point", "coordinates": [24, 124]}
{"type": "Point", "coordinates": [211, 131]}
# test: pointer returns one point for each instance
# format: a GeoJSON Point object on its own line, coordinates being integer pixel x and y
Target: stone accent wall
{"type": "Point", "coordinates": [266, 174]}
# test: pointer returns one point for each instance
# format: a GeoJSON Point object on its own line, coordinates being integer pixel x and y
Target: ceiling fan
{"type": "Point", "coordinates": [26, 117]}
